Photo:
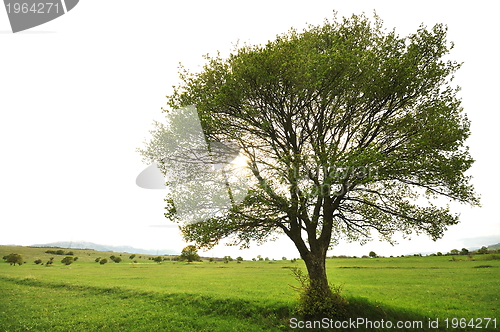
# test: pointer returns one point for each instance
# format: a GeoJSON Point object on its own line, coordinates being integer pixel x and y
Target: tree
{"type": "Point", "coordinates": [189, 253]}
{"type": "Point", "coordinates": [67, 260]}
{"type": "Point", "coordinates": [117, 259]}
{"type": "Point", "coordinates": [372, 254]}
{"type": "Point", "coordinates": [454, 252]}
{"type": "Point", "coordinates": [14, 259]}
{"type": "Point", "coordinates": [103, 261]}
{"type": "Point", "coordinates": [38, 261]}
{"type": "Point", "coordinates": [132, 256]}
{"type": "Point", "coordinates": [464, 251]}
{"type": "Point", "coordinates": [343, 126]}
{"type": "Point", "coordinates": [483, 250]}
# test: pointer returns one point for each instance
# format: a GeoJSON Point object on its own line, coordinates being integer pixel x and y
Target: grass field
{"type": "Point", "coordinates": [251, 296]}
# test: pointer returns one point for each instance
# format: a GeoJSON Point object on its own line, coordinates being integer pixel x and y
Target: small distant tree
{"type": "Point", "coordinates": [254, 259]}
{"type": "Point", "coordinates": [103, 261]}
{"type": "Point", "coordinates": [97, 259]}
{"type": "Point", "coordinates": [38, 261]}
{"type": "Point", "coordinates": [239, 258]}
{"type": "Point", "coordinates": [112, 257]}
{"type": "Point", "coordinates": [454, 252]}
{"type": "Point", "coordinates": [60, 252]}
{"type": "Point", "coordinates": [75, 259]}
{"type": "Point", "coordinates": [372, 254]}
{"type": "Point", "coordinates": [14, 259]}
{"type": "Point", "coordinates": [464, 251]}
{"type": "Point", "coordinates": [483, 250]}
{"type": "Point", "coordinates": [190, 254]}
{"type": "Point", "coordinates": [158, 259]}
{"type": "Point", "coordinates": [439, 253]}
{"type": "Point", "coordinates": [283, 258]}
{"type": "Point", "coordinates": [132, 256]}
{"type": "Point", "coordinates": [70, 253]}
{"type": "Point", "coordinates": [50, 261]}
{"type": "Point", "coordinates": [67, 260]}
{"type": "Point", "coordinates": [117, 260]}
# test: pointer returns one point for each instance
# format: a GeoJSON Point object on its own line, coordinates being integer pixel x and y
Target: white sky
{"type": "Point", "coordinates": [79, 94]}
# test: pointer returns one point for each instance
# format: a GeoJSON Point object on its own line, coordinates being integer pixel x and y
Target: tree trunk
{"type": "Point", "coordinates": [315, 263]}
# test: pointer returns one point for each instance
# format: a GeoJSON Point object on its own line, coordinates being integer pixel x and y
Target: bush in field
{"type": "Point", "coordinates": [38, 261]}
{"type": "Point", "coordinates": [464, 251]}
{"type": "Point", "coordinates": [132, 256]}
{"type": "Point", "coordinates": [103, 261]}
{"type": "Point", "coordinates": [14, 259]}
{"type": "Point", "coordinates": [50, 261]}
{"type": "Point", "coordinates": [239, 258]}
{"type": "Point", "coordinates": [67, 260]}
{"type": "Point", "coordinates": [117, 260]}
{"type": "Point", "coordinates": [158, 259]}
{"type": "Point", "coordinates": [372, 254]}
{"type": "Point", "coordinates": [97, 259]}
{"type": "Point", "coordinates": [75, 259]}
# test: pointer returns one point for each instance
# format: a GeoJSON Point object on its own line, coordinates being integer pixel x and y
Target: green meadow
{"type": "Point", "coordinates": [246, 296]}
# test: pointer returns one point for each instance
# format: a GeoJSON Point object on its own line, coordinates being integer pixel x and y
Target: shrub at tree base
{"type": "Point", "coordinates": [318, 302]}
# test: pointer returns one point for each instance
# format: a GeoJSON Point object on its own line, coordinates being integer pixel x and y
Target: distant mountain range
{"type": "Point", "coordinates": [101, 247]}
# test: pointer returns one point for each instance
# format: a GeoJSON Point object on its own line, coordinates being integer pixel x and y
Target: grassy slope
{"type": "Point", "coordinates": [252, 296]}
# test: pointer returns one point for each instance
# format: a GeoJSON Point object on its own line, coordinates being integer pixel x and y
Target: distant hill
{"type": "Point", "coordinates": [101, 247]}
{"type": "Point", "coordinates": [494, 246]}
